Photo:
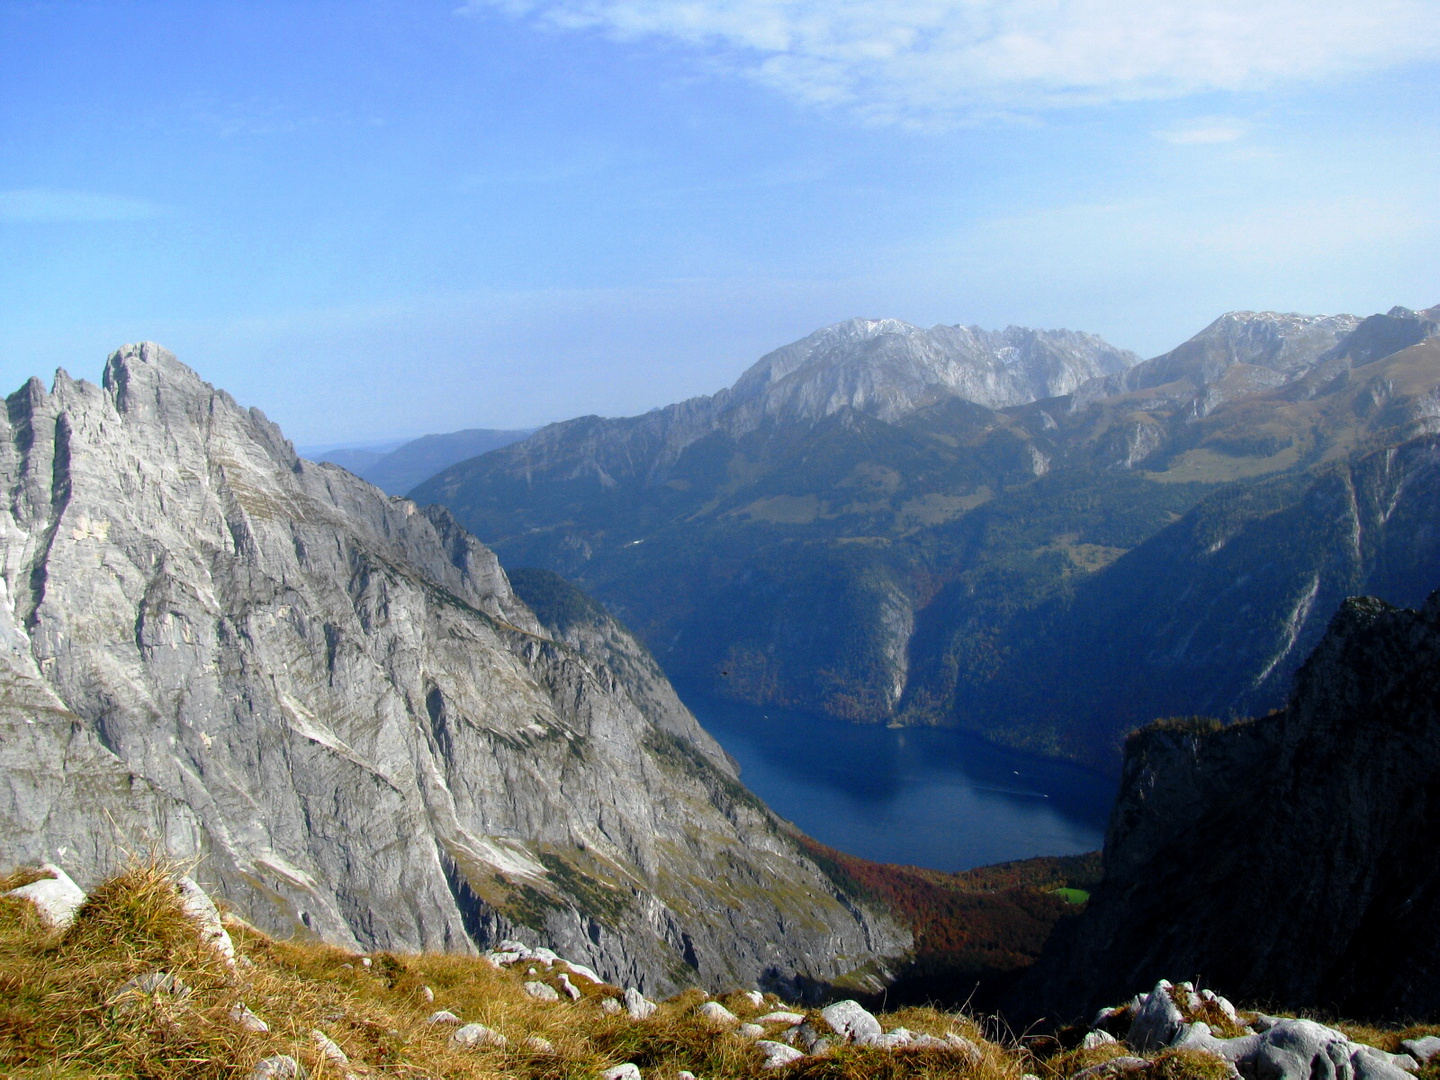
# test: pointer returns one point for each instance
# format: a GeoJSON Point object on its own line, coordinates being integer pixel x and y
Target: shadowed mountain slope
{"type": "Point", "coordinates": [835, 552]}
{"type": "Point", "coordinates": [1286, 859]}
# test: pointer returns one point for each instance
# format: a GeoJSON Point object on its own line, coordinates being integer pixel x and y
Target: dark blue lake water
{"type": "Point", "coordinates": [919, 796]}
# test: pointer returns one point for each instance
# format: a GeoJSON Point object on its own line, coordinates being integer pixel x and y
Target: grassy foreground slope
{"type": "Point", "coordinates": [65, 1012]}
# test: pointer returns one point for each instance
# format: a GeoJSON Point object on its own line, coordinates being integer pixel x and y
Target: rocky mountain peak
{"type": "Point", "coordinates": [1380, 336]}
{"type": "Point", "coordinates": [337, 703]}
{"type": "Point", "coordinates": [1285, 343]}
{"type": "Point", "coordinates": [888, 368]}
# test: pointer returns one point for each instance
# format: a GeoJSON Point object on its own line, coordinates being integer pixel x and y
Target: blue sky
{"type": "Point", "coordinates": [376, 219]}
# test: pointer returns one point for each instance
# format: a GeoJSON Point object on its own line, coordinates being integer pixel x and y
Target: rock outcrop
{"type": "Point", "coordinates": [212, 647]}
{"type": "Point", "coordinates": [1289, 858]}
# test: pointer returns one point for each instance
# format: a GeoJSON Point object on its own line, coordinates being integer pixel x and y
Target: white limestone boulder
{"type": "Point", "coordinates": [56, 898]}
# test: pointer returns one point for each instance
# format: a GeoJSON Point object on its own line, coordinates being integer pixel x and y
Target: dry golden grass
{"type": "Point", "coordinates": [62, 1016]}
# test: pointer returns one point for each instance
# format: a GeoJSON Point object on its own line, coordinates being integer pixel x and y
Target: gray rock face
{"type": "Point", "coordinates": [202, 910]}
{"type": "Point", "coordinates": [1422, 1049]}
{"type": "Point", "coordinates": [777, 1055]}
{"type": "Point", "coordinates": [1157, 1021]}
{"type": "Point", "coordinates": [333, 697]}
{"type": "Point", "coordinates": [279, 1067]}
{"type": "Point", "coordinates": [888, 368]}
{"type": "Point", "coordinates": [328, 1048]}
{"type": "Point", "coordinates": [717, 1014]}
{"type": "Point", "coordinates": [542, 991]}
{"type": "Point", "coordinates": [851, 1021]}
{"type": "Point", "coordinates": [636, 1005]}
{"type": "Point", "coordinates": [1285, 344]}
{"type": "Point", "coordinates": [245, 1019]}
{"type": "Point", "coordinates": [473, 1035]}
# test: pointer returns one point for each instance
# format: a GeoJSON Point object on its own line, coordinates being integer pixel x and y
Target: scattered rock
{"type": "Point", "coordinates": [959, 1042]}
{"type": "Point", "coordinates": [240, 1014]}
{"type": "Point", "coordinates": [628, 1071]}
{"type": "Point", "coordinates": [1107, 1014]}
{"type": "Point", "coordinates": [717, 1013]}
{"type": "Point", "coordinates": [473, 1035]}
{"type": "Point", "coordinates": [427, 994]}
{"type": "Point", "coordinates": [1371, 1063]}
{"type": "Point", "coordinates": [1423, 1048]}
{"type": "Point", "coordinates": [637, 1006]}
{"type": "Point", "coordinates": [755, 997]}
{"type": "Point", "coordinates": [777, 1055]}
{"type": "Point", "coordinates": [279, 1067]}
{"type": "Point", "coordinates": [570, 988]}
{"type": "Point", "coordinates": [610, 1007]}
{"type": "Point", "coordinates": [930, 1042]}
{"type": "Point", "coordinates": [1113, 1067]}
{"type": "Point", "coordinates": [442, 1016]}
{"type": "Point", "coordinates": [1097, 1038]}
{"type": "Point", "coordinates": [545, 956]}
{"type": "Point", "coordinates": [537, 1045]}
{"type": "Point", "coordinates": [750, 1031]}
{"type": "Point", "coordinates": [850, 1020]}
{"type": "Point", "coordinates": [1197, 1036]}
{"type": "Point", "coordinates": [685, 1074]}
{"type": "Point", "coordinates": [1223, 1004]}
{"type": "Point", "coordinates": [780, 1016]}
{"type": "Point", "coordinates": [202, 910]}
{"type": "Point", "coordinates": [1158, 1020]}
{"type": "Point", "coordinates": [541, 991]}
{"type": "Point", "coordinates": [810, 1037]}
{"type": "Point", "coordinates": [365, 961]}
{"type": "Point", "coordinates": [56, 898]}
{"type": "Point", "coordinates": [891, 1040]}
{"type": "Point", "coordinates": [153, 984]}
{"type": "Point", "coordinates": [583, 971]}
{"type": "Point", "coordinates": [328, 1049]}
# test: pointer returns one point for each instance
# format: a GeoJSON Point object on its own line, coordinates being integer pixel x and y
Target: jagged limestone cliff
{"type": "Point", "coordinates": [1286, 859]}
{"type": "Point", "coordinates": [335, 700]}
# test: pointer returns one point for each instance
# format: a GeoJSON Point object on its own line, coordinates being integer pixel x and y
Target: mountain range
{"type": "Point", "coordinates": [883, 523]}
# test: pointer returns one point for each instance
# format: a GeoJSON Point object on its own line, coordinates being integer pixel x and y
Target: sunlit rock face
{"type": "Point", "coordinates": [335, 700]}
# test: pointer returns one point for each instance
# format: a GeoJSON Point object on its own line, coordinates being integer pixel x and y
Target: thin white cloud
{"type": "Point", "coordinates": [43, 205]}
{"type": "Point", "coordinates": [1205, 131]}
{"type": "Point", "coordinates": [922, 60]}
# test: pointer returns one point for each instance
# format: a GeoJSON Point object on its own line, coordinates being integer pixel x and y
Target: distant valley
{"type": "Point", "coordinates": [887, 524]}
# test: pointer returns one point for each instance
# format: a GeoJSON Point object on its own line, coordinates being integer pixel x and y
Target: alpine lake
{"type": "Point", "coordinates": [916, 796]}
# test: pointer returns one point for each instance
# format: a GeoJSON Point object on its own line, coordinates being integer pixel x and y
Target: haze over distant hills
{"type": "Point", "coordinates": [885, 523]}
{"type": "Point", "coordinates": [395, 471]}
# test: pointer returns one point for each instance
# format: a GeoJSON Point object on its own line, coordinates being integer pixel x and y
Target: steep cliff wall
{"type": "Point", "coordinates": [1287, 859]}
{"type": "Point", "coordinates": [335, 700]}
